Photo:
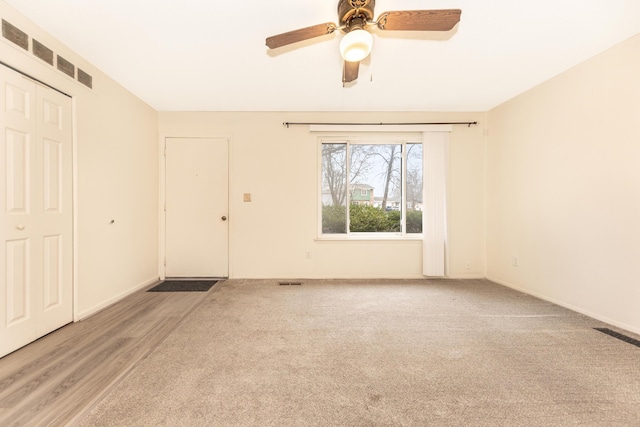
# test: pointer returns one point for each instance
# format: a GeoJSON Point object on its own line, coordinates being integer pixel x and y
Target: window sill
{"type": "Point", "coordinates": [359, 237]}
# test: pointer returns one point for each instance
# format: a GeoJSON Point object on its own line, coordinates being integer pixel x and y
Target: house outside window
{"type": "Point", "coordinates": [371, 188]}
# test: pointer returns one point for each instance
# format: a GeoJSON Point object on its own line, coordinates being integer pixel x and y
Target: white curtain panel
{"type": "Point", "coordinates": [434, 215]}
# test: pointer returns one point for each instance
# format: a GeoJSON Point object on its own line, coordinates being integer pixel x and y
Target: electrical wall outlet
{"type": "Point", "coordinates": [515, 261]}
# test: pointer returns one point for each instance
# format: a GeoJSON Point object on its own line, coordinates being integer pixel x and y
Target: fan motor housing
{"type": "Point", "coordinates": [349, 10]}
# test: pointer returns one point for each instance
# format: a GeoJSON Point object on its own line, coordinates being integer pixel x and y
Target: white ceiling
{"type": "Point", "coordinates": [210, 55]}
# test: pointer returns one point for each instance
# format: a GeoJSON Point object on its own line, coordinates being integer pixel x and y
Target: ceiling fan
{"type": "Point", "coordinates": [355, 17]}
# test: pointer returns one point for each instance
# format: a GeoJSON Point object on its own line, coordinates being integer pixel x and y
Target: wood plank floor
{"type": "Point", "coordinates": [54, 380]}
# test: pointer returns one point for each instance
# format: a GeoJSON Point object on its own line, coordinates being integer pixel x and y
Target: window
{"type": "Point", "coordinates": [371, 187]}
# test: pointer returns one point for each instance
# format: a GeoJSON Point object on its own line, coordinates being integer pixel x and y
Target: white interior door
{"type": "Point", "coordinates": [36, 290]}
{"type": "Point", "coordinates": [197, 207]}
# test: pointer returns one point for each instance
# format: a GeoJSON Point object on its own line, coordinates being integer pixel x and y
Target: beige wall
{"type": "Point", "coordinates": [116, 175]}
{"type": "Point", "coordinates": [279, 167]}
{"type": "Point", "coordinates": [563, 188]}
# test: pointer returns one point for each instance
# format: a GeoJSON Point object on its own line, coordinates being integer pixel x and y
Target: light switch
{"type": "Point", "coordinates": [247, 197]}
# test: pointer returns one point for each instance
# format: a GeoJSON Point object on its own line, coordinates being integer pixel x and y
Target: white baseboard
{"type": "Point", "coordinates": [463, 276]}
{"type": "Point", "coordinates": [93, 310]}
{"type": "Point", "coordinates": [572, 307]}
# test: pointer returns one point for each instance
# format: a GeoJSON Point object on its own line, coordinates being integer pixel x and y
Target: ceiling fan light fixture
{"type": "Point", "coordinates": [356, 45]}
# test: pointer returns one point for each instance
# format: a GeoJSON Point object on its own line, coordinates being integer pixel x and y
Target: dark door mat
{"type": "Point", "coordinates": [183, 286]}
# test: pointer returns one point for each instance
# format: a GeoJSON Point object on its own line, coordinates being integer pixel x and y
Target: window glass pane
{"type": "Point", "coordinates": [414, 188]}
{"type": "Point", "coordinates": [334, 188]}
{"type": "Point", "coordinates": [375, 188]}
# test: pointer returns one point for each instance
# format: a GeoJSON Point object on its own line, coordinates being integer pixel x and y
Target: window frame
{"type": "Point", "coordinates": [402, 139]}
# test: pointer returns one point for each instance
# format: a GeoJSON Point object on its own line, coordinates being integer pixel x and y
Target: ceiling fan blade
{"type": "Point", "coordinates": [301, 34]}
{"type": "Point", "coordinates": [350, 71]}
{"type": "Point", "coordinates": [419, 20]}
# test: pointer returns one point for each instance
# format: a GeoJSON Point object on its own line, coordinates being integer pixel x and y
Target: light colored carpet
{"type": "Point", "coordinates": [379, 353]}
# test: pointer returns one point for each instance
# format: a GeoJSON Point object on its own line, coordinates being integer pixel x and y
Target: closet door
{"type": "Point", "coordinates": [36, 211]}
{"type": "Point", "coordinates": [55, 209]}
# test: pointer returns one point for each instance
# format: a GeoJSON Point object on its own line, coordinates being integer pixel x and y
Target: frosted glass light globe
{"type": "Point", "coordinates": [356, 45]}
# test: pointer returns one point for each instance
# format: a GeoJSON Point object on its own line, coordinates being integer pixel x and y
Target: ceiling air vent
{"type": "Point", "coordinates": [15, 35]}
{"type": "Point", "coordinates": [85, 78]}
{"type": "Point", "coordinates": [66, 67]}
{"type": "Point", "coordinates": [42, 52]}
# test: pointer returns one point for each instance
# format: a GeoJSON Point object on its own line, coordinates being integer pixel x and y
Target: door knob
{"type": "Point", "coordinates": [224, 218]}
{"type": "Point", "coordinates": [20, 227]}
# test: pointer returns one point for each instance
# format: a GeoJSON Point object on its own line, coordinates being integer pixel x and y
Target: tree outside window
{"type": "Point", "coordinates": [371, 187]}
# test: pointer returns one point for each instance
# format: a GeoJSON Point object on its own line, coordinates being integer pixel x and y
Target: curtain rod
{"type": "Point", "coordinates": [287, 124]}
